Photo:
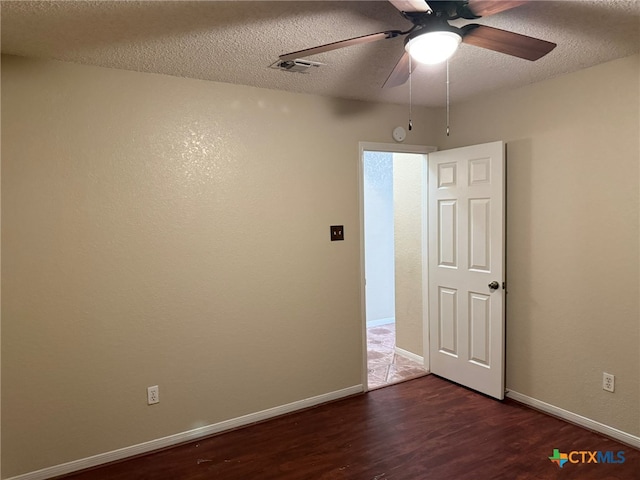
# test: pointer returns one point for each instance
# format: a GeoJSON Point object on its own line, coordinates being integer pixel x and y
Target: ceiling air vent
{"type": "Point", "coordinates": [298, 66]}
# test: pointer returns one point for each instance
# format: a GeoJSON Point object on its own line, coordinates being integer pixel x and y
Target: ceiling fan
{"type": "Point", "coordinates": [432, 40]}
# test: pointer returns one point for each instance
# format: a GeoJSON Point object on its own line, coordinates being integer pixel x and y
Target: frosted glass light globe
{"type": "Point", "coordinates": [433, 47]}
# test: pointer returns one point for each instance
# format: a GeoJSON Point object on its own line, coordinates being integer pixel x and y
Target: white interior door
{"type": "Point", "coordinates": [466, 257]}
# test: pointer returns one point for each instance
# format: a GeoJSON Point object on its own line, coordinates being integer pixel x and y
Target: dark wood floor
{"type": "Point", "coordinates": [426, 428]}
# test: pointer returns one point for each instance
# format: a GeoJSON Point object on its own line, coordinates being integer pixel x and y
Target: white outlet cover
{"type": "Point", "coordinates": [153, 395]}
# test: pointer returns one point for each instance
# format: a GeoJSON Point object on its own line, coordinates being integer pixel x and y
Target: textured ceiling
{"type": "Point", "coordinates": [237, 41]}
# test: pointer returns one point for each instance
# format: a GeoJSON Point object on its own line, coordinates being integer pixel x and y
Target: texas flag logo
{"type": "Point", "coordinates": [559, 458]}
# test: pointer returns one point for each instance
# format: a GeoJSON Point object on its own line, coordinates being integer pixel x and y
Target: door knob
{"type": "Point", "coordinates": [494, 285]}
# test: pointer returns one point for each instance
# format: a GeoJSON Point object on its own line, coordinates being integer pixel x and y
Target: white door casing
{"type": "Point", "coordinates": [393, 148]}
{"type": "Point", "coordinates": [466, 253]}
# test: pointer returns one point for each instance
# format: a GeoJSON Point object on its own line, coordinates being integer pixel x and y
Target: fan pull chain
{"type": "Point", "coordinates": [447, 98]}
{"type": "Point", "coordinates": [410, 68]}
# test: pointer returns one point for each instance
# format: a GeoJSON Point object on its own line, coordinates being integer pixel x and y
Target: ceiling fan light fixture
{"type": "Point", "coordinates": [433, 47]}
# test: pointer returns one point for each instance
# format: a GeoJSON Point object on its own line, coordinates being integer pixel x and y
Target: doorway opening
{"type": "Point", "coordinates": [393, 186]}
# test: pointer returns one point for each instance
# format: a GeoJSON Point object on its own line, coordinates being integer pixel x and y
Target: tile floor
{"type": "Point", "coordinates": [386, 366]}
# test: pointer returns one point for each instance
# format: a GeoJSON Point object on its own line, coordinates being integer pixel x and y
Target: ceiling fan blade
{"type": "Point", "coordinates": [411, 5]}
{"type": "Point", "coordinates": [507, 42]}
{"type": "Point", "coordinates": [400, 73]}
{"type": "Point", "coordinates": [341, 44]}
{"type": "Point", "coordinates": [484, 8]}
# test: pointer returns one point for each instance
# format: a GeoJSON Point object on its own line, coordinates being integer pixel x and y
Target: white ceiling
{"type": "Point", "coordinates": [237, 41]}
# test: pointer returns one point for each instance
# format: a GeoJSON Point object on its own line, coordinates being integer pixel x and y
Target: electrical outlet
{"type": "Point", "coordinates": [608, 382]}
{"type": "Point", "coordinates": [153, 395]}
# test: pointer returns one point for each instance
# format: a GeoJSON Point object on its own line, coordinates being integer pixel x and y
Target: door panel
{"type": "Point", "coordinates": [480, 342]}
{"type": "Point", "coordinates": [447, 241]}
{"type": "Point", "coordinates": [466, 253]}
{"type": "Point", "coordinates": [479, 237]}
{"type": "Point", "coordinates": [448, 321]}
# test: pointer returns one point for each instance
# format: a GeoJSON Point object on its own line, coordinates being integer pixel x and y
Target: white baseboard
{"type": "Point", "coordinates": [411, 356]}
{"type": "Point", "coordinates": [585, 422]}
{"type": "Point", "coordinates": [189, 435]}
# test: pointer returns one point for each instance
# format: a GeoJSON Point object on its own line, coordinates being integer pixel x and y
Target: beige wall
{"type": "Point", "coordinates": [407, 215]}
{"type": "Point", "coordinates": [572, 235]}
{"type": "Point", "coordinates": [160, 230]}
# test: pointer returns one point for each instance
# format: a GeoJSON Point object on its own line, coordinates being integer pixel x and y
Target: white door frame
{"type": "Point", "coordinates": [394, 148]}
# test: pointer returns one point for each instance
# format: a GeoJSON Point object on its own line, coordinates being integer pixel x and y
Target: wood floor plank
{"type": "Point", "coordinates": [427, 428]}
